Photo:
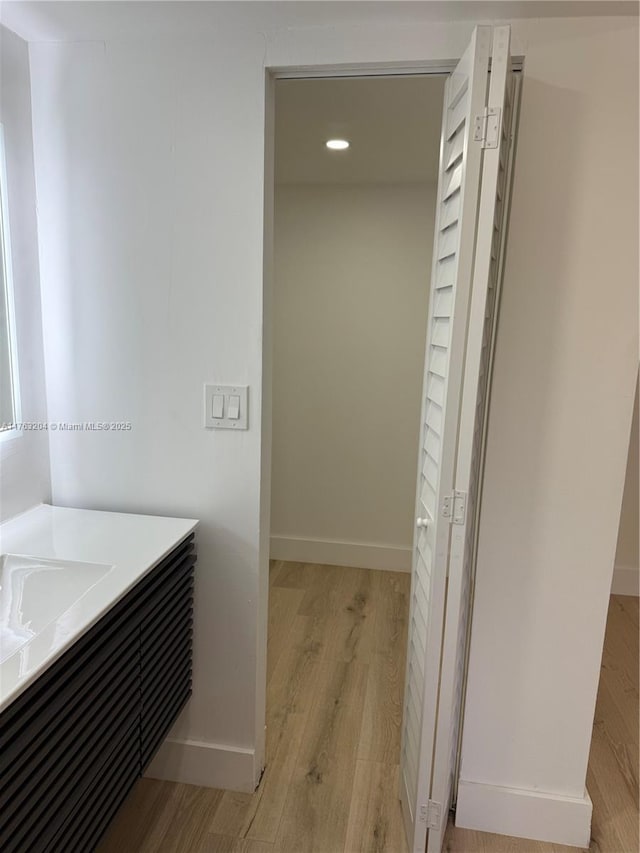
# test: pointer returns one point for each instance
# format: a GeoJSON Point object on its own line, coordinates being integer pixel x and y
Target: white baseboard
{"type": "Point", "coordinates": [358, 554]}
{"type": "Point", "coordinates": [524, 814]}
{"type": "Point", "coordinates": [209, 765]}
{"type": "Point", "coordinates": [626, 581]}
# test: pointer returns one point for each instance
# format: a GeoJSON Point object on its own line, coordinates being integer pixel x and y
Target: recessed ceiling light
{"type": "Point", "coordinates": [337, 144]}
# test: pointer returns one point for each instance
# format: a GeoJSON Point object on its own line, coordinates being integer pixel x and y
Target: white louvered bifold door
{"type": "Point", "coordinates": [487, 269]}
{"type": "Point", "coordinates": [456, 218]}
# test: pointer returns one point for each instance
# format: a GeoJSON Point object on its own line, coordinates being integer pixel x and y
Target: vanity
{"type": "Point", "coordinates": [96, 622]}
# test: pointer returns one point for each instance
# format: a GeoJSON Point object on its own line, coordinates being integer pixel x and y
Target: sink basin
{"type": "Point", "coordinates": [36, 592]}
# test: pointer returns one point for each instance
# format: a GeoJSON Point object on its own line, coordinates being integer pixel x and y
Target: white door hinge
{"type": "Point", "coordinates": [454, 507]}
{"type": "Point", "coordinates": [486, 127]}
{"type": "Point", "coordinates": [431, 814]}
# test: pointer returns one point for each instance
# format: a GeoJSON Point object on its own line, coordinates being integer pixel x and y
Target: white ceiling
{"type": "Point", "coordinates": [392, 124]}
{"type": "Point", "coordinates": [92, 19]}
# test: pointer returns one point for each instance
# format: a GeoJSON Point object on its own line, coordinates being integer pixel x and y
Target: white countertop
{"type": "Point", "coordinates": [124, 547]}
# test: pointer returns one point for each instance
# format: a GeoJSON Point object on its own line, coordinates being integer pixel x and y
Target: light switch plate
{"type": "Point", "coordinates": [226, 391]}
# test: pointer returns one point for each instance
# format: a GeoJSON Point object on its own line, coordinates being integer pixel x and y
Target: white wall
{"type": "Point", "coordinates": [152, 286]}
{"type": "Point", "coordinates": [24, 460]}
{"type": "Point", "coordinates": [626, 575]}
{"type": "Point", "coordinates": [150, 166]}
{"type": "Point", "coordinates": [352, 269]}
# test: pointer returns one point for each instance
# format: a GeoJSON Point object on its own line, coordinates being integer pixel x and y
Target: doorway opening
{"type": "Point", "coordinates": [353, 239]}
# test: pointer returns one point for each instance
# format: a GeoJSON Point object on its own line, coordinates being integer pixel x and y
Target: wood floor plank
{"type": "Point", "coordinates": [322, 590]}
{"type": "Point", "coordinates": [620, 651]}
{"type": "Point", "coordinates": [615, 810]}
{"type": "Point", "coordinates": [375, 818]}
{"type": "Point", "coordinates": [276, 781]}
{"type": "Point", "coordinates": [459, 840]}
{"type": "Point", "coordinates": [618, 706]}
{"type": "Point", "coordinates": [284, 603]}
{"type": "Point", "coordinates": [392, 591]}
{"type": "Point", "coordinates": [144, 818]}
{"type": "Point", "coordinates": [628, 607]}
{"type": "Point", "coordinates": [612, 778]}
{"type": "Point", "coordinates": [296, 575]}
{"type": "Point", "coordinates": [335, 717]}
{"type": "Point", "coordinates": [317, 807]}
{"type": "Point", "coordinates": [291, 682]}
{"type": "Point", "coordinates": [352, 634]}
{"type": "Point", "coordinates": [233, 814]}
{"type": "Point", "coordinates": [622, 742]}
{"type": "Point", "coordinates": [380, 735]}
{"type": "Point", "coordinates": [193, 814]}
{"type": "Point", "coordinates": [382, 715]}
{"type": "Point", "coordinates": [631, 606]}
{"type": "Point", "coordinates": [619, 674]}
{"type": "Point", "coordinates": [227, 844]}
{"type": "Point", "coordinates": [290, 688]}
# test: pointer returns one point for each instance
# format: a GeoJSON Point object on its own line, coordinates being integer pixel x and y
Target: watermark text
{"type": "Point", "coordinates": [68, 426]}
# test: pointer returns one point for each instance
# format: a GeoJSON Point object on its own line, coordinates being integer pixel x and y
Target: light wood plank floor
{"type": "Point", "coordinates": [336, 646]}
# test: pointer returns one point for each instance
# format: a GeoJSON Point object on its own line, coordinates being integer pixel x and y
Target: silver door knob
{"type": "Point", "coordinates": [423, 522]}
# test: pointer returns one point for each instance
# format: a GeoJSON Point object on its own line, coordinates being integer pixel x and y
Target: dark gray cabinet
{"type": "Point", "coordinates": [74, 743]}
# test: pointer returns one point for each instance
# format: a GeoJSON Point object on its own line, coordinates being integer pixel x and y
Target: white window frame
{"type": "Point", "coordinates": [8, 295]}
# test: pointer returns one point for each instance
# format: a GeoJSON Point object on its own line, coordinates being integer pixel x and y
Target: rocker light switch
{"type": "Point", "coordinates": [233, 412]}
{"type": "Point", "coordinates": [226, 407]}
{"type": "Point", "coordinates": [217, 410]}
